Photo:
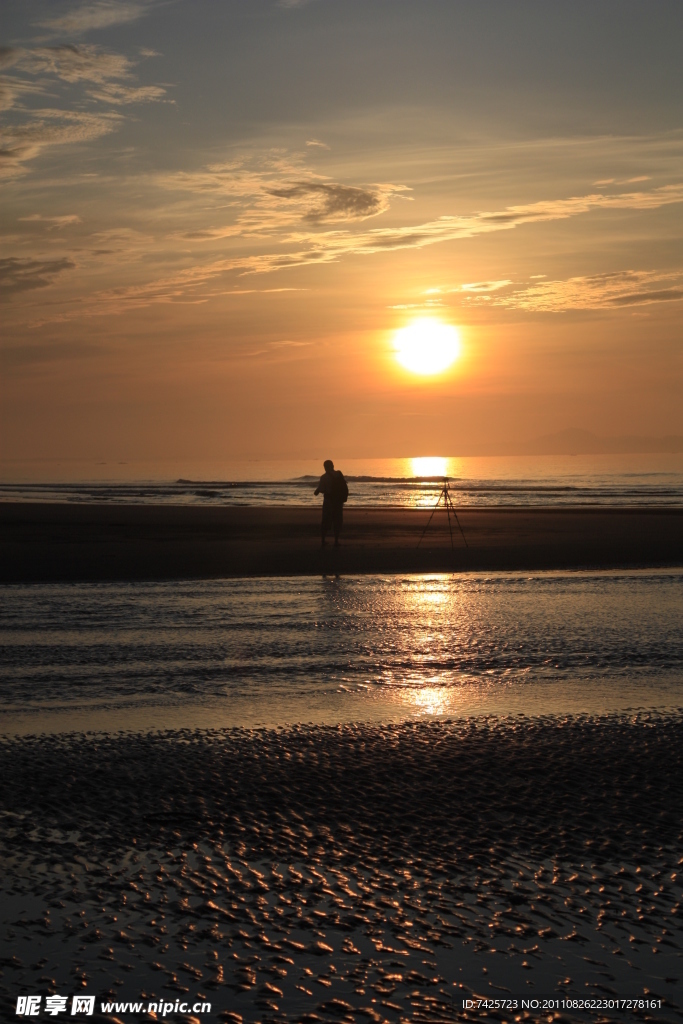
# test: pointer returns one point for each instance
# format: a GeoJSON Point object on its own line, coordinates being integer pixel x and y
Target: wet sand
{"type": "Point", "coordinates": [134, 542]}
{"type": "Point", "coordinates": [356, 873]}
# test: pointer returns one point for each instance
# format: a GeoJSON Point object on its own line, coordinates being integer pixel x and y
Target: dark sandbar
{"type": "Point", "coordinates": [108, 542]}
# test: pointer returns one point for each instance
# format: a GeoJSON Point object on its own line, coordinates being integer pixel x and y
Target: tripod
{"type": "Point", "coordinates": [445, 496]}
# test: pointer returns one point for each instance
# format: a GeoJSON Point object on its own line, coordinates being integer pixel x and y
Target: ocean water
{"type": "Point", "coordinates": [277, 652]}
{"type": "Point", "coordinates": [523, 480]}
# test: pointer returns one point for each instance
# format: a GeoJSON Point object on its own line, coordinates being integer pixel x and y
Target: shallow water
{"type": "Point", "coordinates": [275, 652]}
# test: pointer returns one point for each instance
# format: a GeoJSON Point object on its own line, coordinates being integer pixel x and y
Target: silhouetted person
{"type": "Point", "coordinates": [335, 492]}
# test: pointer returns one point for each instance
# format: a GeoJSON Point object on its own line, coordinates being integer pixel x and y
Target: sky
{"type": "Point", "coordinates": [216, 216]}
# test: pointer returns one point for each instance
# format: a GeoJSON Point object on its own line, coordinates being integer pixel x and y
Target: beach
{"type": "Point", "coordinates": [251, 781]}
{"type": "Point", "coordinates": [356, 873]}
{"type": "Point", "coordinates": [45, 541]}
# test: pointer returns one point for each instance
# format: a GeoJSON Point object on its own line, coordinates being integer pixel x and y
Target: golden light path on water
{"type": "Point", "coordinates": [277, 652]}
{"type": "Point", "coordinates": [432, 700]}
{"type": "Point", "coordinates": [432, 610]}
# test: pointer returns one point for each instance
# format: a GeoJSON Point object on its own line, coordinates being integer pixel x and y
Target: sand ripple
{"type": "Point", "coordinates": [377, 873]}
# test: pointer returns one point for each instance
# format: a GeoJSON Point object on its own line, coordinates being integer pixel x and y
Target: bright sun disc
{"type": "Point", "coordinates": [427, 347]}
{"type": "Point", "coordinates": [431, 465]}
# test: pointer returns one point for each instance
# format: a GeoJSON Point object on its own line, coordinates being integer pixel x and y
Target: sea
{"type": "Point", "coordinates": [272, 653]}
{"type": "Point", "coordinates": [417, 482]}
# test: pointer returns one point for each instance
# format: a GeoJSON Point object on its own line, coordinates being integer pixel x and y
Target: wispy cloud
{"type": "Point", "coordinates": [71, 63]}
{"type": "Point", "coordinates": [329, 246]}
{"type": "Point", "coordinates": [604, 182]}
{"type": "Point", "coordinates": [53, 223]}
{"type": "Point", "coordinates": [485, 286]}
{"type": "Point", "coordinates": [98, 15]}
{"type": "Point", "coordinates": [48, 127]}
{"type": "Point", "coordinates": [276, 191]}
{"type": "Point", "coordinates": [644, 298]}
{"type": "Point", "coordinates": [332, 201]}
{"type": "Point", "coordinates": [599, 291]}
{"type": "Point", "coordinates": [273, 196]}
{"type": "Point", "coordinates": [318, 247]}
{"type": "Point", "coordinates": [8, 56]}
{"type": "Point", "coordinates": [117, 93]}
{"type": "Point", "coordinates": [13, 88]}
{"type": "Point", "coordinates": [21, 275]}
{"type": "Point", "coordinates": [451, 228]}
{"type": "Point", "coordinates": [110, 74]}
{"type": "Point", "coordinates": [105, 78]}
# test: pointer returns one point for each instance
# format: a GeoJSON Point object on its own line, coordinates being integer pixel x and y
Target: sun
{"type": "Point", "coordinates": [427, 346]}
{"type": "Point", "coordinates": [431, 465]}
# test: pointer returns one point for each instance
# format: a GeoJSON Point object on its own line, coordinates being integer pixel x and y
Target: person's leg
{"type": "Point", "coordinates": [324, 524]}
{"type": "Point", "coordinates": [338, 517]}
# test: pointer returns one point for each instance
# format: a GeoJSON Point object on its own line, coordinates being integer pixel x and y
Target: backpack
{"type": "Point", "coordinates": [340, 489]}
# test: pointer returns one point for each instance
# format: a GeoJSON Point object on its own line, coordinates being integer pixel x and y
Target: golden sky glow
{"type": "Point", "coordinates": [223, 223]}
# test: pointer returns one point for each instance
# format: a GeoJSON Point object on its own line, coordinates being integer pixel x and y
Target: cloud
{"type": "Point", "coordinates": [12, 88]}
{"type": "Point", "coordinates": [115, 92]}
{"type": "Point", "coordinates": [98, 15]}
{"type": "Point", "coordinates": [452, 228]}
{"type": "Point", "coordinates": [485, 286]}
{"type": "Point", "coordinates": [106, 78]}
{"type": "Point", "coordinates": [49, 127]}
{"type": "Point", "coordinates": [331, 201]}
{"type": "Point", "coordinates": [21, 275]}
{"type": "Point", "coordinates": [641, 298]}
{"type": "Point", "coordinates": [108, 73]}
{"type": "Point", "coordinates": [287, 249]}
{"type": "Point", "coordinates": [600, 291]}
{"type": "Point", "coordinates": [9, 56]}
{"type": "Point", "coordinates": [73, 63]}
{"type": "Point", "coordinates": [54, 223]}
{"type": "Point", "coordinates": [213, 234]}
{"type": "Point", "coordinates": [329, 246]}
{"type": "Point", "coordinates": [275, 192]}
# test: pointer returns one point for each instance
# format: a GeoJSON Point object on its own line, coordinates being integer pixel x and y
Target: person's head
{"type": "Point", "coordinates": [328, 465]}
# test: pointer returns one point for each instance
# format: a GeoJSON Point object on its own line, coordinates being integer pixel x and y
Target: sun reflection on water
{"type": "Point", "coordinates": [431, 605]}
{"type": "Point", "coordinates": [432, 700]}
{"type": "Point", "coordinates": [433, 465]}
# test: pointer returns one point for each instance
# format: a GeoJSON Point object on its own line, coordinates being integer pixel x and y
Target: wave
{"type": "Point", "coordinates": [418, 482]}
{"type": "Point", "coordinates": [368, 490]}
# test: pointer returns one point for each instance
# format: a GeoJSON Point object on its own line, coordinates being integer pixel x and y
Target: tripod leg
{"type": "Point", "coordinates": [438, 502]}
{"type": "Point", "coordinates": [458, 521]}
{"type": "Point", "coordinates": [448, 513]}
